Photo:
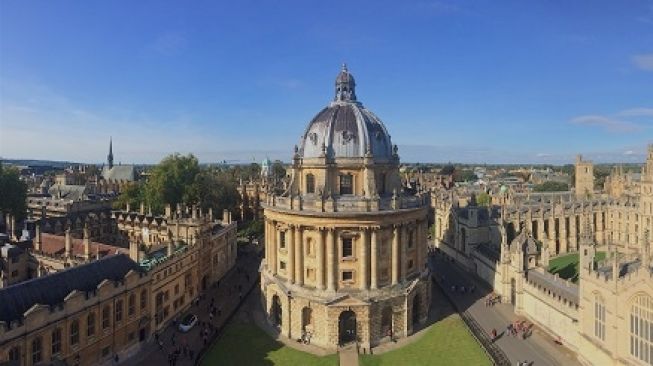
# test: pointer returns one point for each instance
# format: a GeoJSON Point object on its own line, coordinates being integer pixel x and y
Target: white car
{"type": "Point", "coordinates": [187, 323]}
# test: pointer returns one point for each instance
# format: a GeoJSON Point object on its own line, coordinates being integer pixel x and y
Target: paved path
{"type": "Point", "coordinates": [228, 296]}
{"type": "Point", "coordinates": [539, 348]}
{"type": "Point", "coordinates": [348, 356]}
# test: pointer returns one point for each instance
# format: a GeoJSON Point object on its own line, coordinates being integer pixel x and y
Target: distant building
{"type": "Point", "coordinates": [115, 177]}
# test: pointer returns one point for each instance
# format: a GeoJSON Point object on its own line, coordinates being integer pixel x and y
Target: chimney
{"type": "Point", "coordinates": [194, 211]}
{"type": "Point", "coordinates": [142, 208]}
{"type": "Point", "coordinates": [87, 243]}
{"type": "Point", "coordinates": [170, 247]}
{"type": "Point", "coordinates": [133, 250]}
{"type": "Point", "coordinates": [68, 243]}
{"type": "Point", "coordinates": [128, 208]}
{"type": "Point", "coordinates": [13, 227]}
{"type": "Point", "coordinates": [210, 214]}
{"type": "Point", "coordinates": [37, 240]}
{"type": "Point", "coordinates": [168, 211]}
{"type": "Point", "coordinates": [226, 217]}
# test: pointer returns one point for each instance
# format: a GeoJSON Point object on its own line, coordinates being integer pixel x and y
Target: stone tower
{"type": "Point", "coordinates": [345, 255]}
{"type": "Point", "coordinates": [584, 177]}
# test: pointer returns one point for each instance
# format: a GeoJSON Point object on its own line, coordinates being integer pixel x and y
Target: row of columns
{"type": "Point", "coordinates": [327, 257]}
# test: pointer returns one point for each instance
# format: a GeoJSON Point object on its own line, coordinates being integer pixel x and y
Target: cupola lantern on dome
{"type": "Point", "coordinates": [345, 86]}
{"type": "Point", "coordinates": [345, 128]}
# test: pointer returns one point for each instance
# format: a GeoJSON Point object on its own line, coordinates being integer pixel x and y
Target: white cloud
{"type": "Point", "coordinates": [629, 152]}
{"type": "Point", "coordinates": [543, 155]}
{"type": "Point", "coordinates": [609, 124]}
{"type": "Point", "coordinates": [644, 62]}
{"type": "Point", "coordinates": [637, 112]}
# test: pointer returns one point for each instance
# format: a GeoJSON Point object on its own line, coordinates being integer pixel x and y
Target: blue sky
{"type": "Point", "coordinates": [472, 81]}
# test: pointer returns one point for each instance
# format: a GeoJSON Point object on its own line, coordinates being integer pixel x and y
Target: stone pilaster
{"type": "Point", "coordinates": [320, 259]}
{"type": "Point", "coordinates": [364, 259]}
{"type": "Point", "coordinates": [395, 255]}
{"type": "Point", "coordinates": [290, 239]}
{"type": "Point", "coordinates": [331, 260]}
{"type": "Point", "coordinates": [299, 255]}
{"type": "Point", "coordinates": [374, 259]}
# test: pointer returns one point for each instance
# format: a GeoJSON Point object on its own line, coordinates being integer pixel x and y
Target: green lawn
{"type": "Point", "coordinates": [246, 344]}
{"type": "Point", "coordinates": [566, 266]}
{"type": "Point", "coordinates": [447, 342]}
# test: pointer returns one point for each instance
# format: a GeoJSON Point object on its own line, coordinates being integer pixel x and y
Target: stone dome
{"type": "Point", "coordinates": [345, 128]}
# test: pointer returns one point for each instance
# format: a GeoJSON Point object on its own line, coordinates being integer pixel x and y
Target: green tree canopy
{"type": "Point", "coordinates": [180, 179]}
{"type": "Point", "coordinates": [173, 181]}
{"type": "Point", "coordinates": [483, 199]}
{"type": "Point", "coordinates": [13, 193]}
{"type": "Point", "coordinates": [551, 186]}
{"type": "Point", "coordinates": [278, 170]}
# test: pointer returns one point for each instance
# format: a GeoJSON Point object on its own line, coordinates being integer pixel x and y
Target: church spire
{"type": "Point", "coordinates": [345, 86]}
{"type": "Point", "coordinates": [110, 156]}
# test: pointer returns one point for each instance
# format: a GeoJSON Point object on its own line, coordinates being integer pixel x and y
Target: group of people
{"type": "Point", "coordinates": [492, 299]}
{"type": "Point", "coordinates": [519, 327]}
{"type": "Point", "coordinates": [179, 350]}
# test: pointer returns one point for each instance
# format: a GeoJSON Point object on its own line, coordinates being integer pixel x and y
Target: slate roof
{"type": "Point", "coordinates": [56, 245]}
{"type": "Point", "coordinates": [68, 191]}
{"type": "Point", "coordinates": [119, 173]}
{"type": "Point", "coordinates": [52, 289]}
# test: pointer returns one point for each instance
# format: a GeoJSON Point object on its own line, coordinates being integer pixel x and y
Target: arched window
{"type": "Point", "coordinates": [119, 311]}
{"type": "Point", "coordinates": [106, 317]}
{"type": "Point", "coordinates": [131, 305]}
{"type": "Point", "coordinates": [74, 332]}
{"type": "Point", "coordinates": [310, 183]}
{"type": "Point", "coordinates": [37, 354]}
{"type": "Point", "coordinates": [143, 299]}
{"type": "Point", "coordinates": [641, 329]}
{"type": "Point", "coordinates": [599, 317]}
{"type": "Point", "coordinates": [56, 341]}
{"type": "Point", "coordinates": [90, 324]}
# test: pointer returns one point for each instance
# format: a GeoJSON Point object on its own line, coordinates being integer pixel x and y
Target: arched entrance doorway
{"type": "Point", "coordinates": [275, 311]}
{"type": "Point", "coordinates": [386, 322]}
{"type": "Point", "coordinates": [347, 327]}
{"type": "Point", "coordinates": [416, 309]}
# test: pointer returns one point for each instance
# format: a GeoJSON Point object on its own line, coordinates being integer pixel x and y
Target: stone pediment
{"type": "Point", "coordinates": [347, 300]}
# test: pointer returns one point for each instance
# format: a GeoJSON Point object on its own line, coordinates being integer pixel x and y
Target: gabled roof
{"type": "Point", "coordinates": [52, 289]}
{"type": "Point", "coordinates": [119, 173]}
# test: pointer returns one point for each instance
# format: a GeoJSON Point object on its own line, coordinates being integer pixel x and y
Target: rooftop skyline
{"type": "Point", "coordinates": [457, 81]}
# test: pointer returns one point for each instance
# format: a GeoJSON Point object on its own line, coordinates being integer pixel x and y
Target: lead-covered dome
{"type": "Point", "coordinates": [346, 129]}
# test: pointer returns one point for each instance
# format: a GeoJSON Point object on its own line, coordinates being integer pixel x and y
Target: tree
{"type": "Point", "coordinates": [13, 193]}
{"type": "Point", "coordinates": [278, 170]}
{"type": "Point", "coordinates": [172, 182]}
{"type": "Point", "coordinates": [483, 199]}
{"type": "Point", "coordinates": [551, 186]}
{"type": "Point", "coordinates": [133, 195]}
{"type": "Point", "coordinates": [217, 190]}
{"type": "Point", "coordinates": [464, 176]}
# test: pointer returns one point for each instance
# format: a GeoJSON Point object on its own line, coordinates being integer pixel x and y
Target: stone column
{"type": "Point", "coordinates": [67, 243]}
{"type": "Point", "coordinates": [404, 245]}
{"type": "Point", "coordinates": [395, 255]}
{"type": "Point", "coordinates": [290, 239]}
{"type": "Point", "coordinates": [374, 259]}
{"type": "Point", "coordinates": [331, 260]}
{"type": "Point", "coordinates": [573, 232]}
{"type": "Point", "coordinates": [37, 239]}
{"type": "Point", "coordinates": [599, 226]}
{"type": "Point", "coordinates": [299, 255]}
{"type": "Point", "coordinates": [540, 230]}
{"type": "Point", "coordinates": [552, 233]}
{"type": "Point", "coordinates": [320, 260]}
{"type": "Point", "coordinates": [564, 247]}
{"type": "Point", "coordinates": [276, 234]}
{"type": "Point", "coordinates": [364, 268]}
{"type": "Point", "coordinates": [266, 240]}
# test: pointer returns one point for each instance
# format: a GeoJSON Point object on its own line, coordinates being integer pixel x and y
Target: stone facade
{"type": "Point", "coordinates": [345, 248]}
{"type": "Point", "coordinates": [607, 317]}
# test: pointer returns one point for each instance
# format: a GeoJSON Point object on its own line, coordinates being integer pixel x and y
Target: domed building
{"type": "Point", "coordinates": [345, 246]}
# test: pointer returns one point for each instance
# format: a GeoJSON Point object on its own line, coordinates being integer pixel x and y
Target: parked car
{"type": "Point", "coordinates": [187, 323]}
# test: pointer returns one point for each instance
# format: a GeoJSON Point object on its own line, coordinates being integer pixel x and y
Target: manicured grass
{"type": "Point", "coordinates": [246, 344]}
{"type": "Point", "coordinates": [566, 266]}
{"type": "Point", "coordinates": [447, 342]}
